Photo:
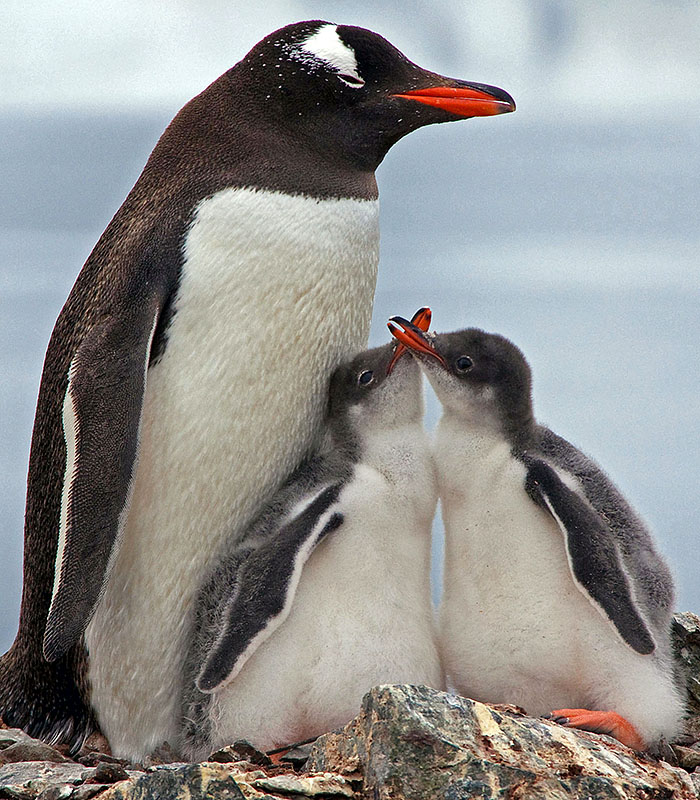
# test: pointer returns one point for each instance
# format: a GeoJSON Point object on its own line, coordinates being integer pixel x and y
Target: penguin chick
{"type": "Point", "coordinates": [555, 595]}
{"type": "Point", "coordinates": [329, 592]}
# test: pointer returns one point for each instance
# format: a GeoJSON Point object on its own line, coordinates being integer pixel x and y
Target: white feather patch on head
{"type": "Point", "coordinates": [327, 46]}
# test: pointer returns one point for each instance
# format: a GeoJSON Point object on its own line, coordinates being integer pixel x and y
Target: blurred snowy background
{"type": "Point", "coordinates": [571, 226]}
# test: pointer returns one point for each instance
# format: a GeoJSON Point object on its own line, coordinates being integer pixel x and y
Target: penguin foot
{"type": "Point", "coordinates": [600, 722]}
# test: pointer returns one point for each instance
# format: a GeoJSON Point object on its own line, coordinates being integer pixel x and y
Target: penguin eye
{"type": "Point", "coordinates": [351, 80]}
{"type": "Point", "coordinates": [365, 378]}
{"type": "Point", "coordinates": [464, 364]}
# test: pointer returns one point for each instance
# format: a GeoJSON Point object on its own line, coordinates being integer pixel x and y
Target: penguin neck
{"type": "Point", "coordinates": [250, 149]}
{"type": "Point", "coordinates": [485, 415]}
{"type": "Point", "coordinates": [483, 428]}
{"type": "Point", "coordinates": [462, 450]}
{"type": "Point", "coordinates": [375, 443]}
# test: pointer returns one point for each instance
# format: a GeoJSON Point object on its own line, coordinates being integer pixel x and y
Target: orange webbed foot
{"type": "Point", "coordinates": [600, 722]}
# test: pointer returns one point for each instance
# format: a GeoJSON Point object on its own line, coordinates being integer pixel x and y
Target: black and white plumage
{"type": "Point", "coordinates": [555, 594]}
{"type": "Point", "coordinates": [168, 413]}
{"type": "Point", "coordinates": [328, 593]}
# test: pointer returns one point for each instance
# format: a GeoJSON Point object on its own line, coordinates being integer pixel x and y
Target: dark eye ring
{"type": "Point", "coordinates": [365, 378]}
{"type": "Point", "coordinates": [464, 364]}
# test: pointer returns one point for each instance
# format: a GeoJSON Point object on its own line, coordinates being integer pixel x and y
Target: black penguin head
{"type": "Point", "coordinates": [478, 376]}
{"type": "Point", "coordinates": [351, 92]}
{"type": "Point", "coordinates": [374, 391]}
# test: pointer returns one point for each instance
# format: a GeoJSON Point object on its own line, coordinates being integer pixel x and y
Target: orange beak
{"type": "Point", "coordinates": [467, 100]}
{"type": "Point", "coordinates": [414, 338]}
{"type": "Point", "coordinates": [421, 319]}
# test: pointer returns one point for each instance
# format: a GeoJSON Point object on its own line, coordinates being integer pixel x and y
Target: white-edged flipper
{"type": "Point", "coordinates": [592, 553]}
{"type": "Point", "coordinates": [264, 588]}
{"type": "Point", "coordinates": [102, 419]}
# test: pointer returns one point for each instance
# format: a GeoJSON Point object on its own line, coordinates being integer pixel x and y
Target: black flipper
{"type": "Point", "coordinates": [101, 419]}
{"type": "Point", "coordinates": [264, 589]}
{"type": "Point", "coordinates": [593, 556]}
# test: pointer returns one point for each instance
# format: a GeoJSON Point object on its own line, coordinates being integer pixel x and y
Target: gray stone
{"type": "Point", "coordinates": [190, 782]}
{"type": "Point", "coordinates": [308, 786]}
{"type": "Point", "coordinates": [695, 779]}
{"type": "Point", "coordinates": [415, 743]}
{"type": "Point", "coordinates": [62, 792]}
{"type": "Point", "coordinates": [685, 633]}
{"type": "Point", "coordinates": [10, 736]}
{"type": "Point", "coordinates": [28, 779]}
{"type": "Point", "coordinates": [87, 791]}
{"type": "Point", "coordinates": [297, 756]}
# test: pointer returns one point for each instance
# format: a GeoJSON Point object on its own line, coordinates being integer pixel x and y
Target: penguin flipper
{"type": "Point", "coordinates": [592, 553]}
{"type": "Point", "coordinates": [101, 422]}
{"type": "Point", "coordinates": [265, 587]}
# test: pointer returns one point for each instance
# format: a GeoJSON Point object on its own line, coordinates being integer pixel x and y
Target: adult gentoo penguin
{"type": "Point", "coordinates": [168, 413]}
{"type": "Point", "coordinates": [328, 593]}
{"type": "Point", "coordinates": [555, 596]}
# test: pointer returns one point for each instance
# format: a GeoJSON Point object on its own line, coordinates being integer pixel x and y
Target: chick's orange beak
{"type": "Point", "coordinates": [414, 338]}
{"type": "Point", "coordinates": [421, 319]}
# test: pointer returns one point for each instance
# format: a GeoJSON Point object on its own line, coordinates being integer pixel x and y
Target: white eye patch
{"type": "Point", "coordinates": [325, 45]}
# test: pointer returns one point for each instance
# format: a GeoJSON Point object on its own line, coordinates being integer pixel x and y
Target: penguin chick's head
{"type": "Point", "coordinates": [350, 93]}
{"type": "Point", "coordinates": [481, 377]}
{"type": "Point", "coordinates": [375, 391]}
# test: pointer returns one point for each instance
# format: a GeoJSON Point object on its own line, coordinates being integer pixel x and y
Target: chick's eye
{"type": "Point", "coordinates": [464, 363]}
{"type": "Point", "coordinates": [366, 377]}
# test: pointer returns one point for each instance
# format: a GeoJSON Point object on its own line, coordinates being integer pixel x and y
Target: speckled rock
{"type": "Point", "coordinates": [415, 743]}
{"type": "Point", "coordinates": [180, 781]}
{"type": "Point", "coordinates": [309, 786]}
{"type": "Point", "coordinates": [685, 632]}
{"type": "Point", "coordinates": [231, 781]}
{"type": "Point", "coordinates": [30, 779]}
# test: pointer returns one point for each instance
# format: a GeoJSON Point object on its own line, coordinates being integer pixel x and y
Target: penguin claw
{"type": "Point", "coordinates": [607, 722]}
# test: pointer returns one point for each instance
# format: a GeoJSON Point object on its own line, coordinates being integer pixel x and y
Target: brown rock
{"type": "Point", "coordinates": [30, 751]}
{"type": "Point", "coordinates": [240, 750]}
{"type": "Point", "coordinates": [108, 773]}
{"type": "Point", "coordinates": [16, 746]}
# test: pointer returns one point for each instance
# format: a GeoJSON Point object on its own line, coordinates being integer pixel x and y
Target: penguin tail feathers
{"type": "Point", "coordinates": [44, 700]}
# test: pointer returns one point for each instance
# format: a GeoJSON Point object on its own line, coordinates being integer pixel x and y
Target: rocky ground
{"type": "Point", "coordinates": [407, 743]}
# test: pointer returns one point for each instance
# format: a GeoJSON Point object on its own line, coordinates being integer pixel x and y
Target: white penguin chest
{"type": "Point", "coordinates": [501, 549]}
{"type": "Point", "coordinates": [509, 598]}
{"type": "Point", "coordinates": [275, 291]}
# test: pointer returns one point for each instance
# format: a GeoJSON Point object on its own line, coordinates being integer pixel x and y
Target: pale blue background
{"type": "Point", "coordinates": [571, 226]}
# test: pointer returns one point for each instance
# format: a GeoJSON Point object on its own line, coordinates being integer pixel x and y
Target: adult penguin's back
{"type": "Point", "coordinates": [168, 412]}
